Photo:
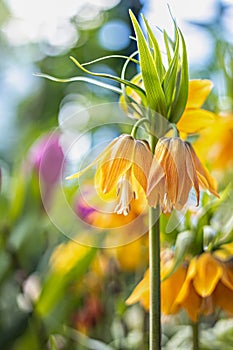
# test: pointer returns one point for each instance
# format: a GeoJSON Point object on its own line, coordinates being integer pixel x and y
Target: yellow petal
{"type": "Point", "coordinates": [141, 292]}
{"type": "Point", "coordinates": [225, 252]}
{"type": "Point", "coordinates": [132, 256]}
{"type": "Point", "coordinates": [116, 163]}
{"type": "Point", "coordinates": [208, 274]}
{"type": "Point", "coordinates": [198, 91]}
{"type": "Point", "coordinates": [192, 304]}
{"type": "Point", "coordinates": [195, 120]}
{"type": "Point", "coordinates": [184, 291]}
{"type": "Point", "coordinates": [170, 288]}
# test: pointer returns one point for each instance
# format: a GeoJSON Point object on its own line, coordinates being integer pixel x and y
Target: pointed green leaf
{"type": "Point", "coordinates": [181, 95]}
{"type": "Point", "coordinates": [139, 90]}
{"type": "Point", "coordinates": [169, 83]}
{"type": "Point", "coordinates": [83, 79]}
{"type": "Point", "coordinates": [166, 41]}
{"type": "Point", "coordinates": [100, 59]}
{"type": "Point", "coordinates": [156, 50]}
{"type": "Point", "coordinates": [154, 91]}
{"type": "Point", "coordinates": [126, 99]}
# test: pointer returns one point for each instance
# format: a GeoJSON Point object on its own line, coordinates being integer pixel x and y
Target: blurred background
{"type": "Point", "coordinates": [55, 294]}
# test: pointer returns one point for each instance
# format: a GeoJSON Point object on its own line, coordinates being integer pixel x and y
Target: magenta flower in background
{"type": "Point", "coordinates": [46, 157]}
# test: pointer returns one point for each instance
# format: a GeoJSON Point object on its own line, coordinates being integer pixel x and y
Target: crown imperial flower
{"type": "Point", "coordinates": [174, 171]}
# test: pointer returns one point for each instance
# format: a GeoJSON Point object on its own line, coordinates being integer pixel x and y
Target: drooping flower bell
{"type": "Point", "coordinates": [122, 171]}
{"type": "Point", "coordinates": [174, 171]}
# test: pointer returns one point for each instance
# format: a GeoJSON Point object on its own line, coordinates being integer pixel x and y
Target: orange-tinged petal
{"type": "Point", "coordinates": [155, 195]}
{"type": "Point", "coordinates": [142, 163]}
{"type": "Point", "coordinates": [223, 297]}
{"type": "Point", "coordinates": [204, 177]}
{"type": "Point", "coordinates": [156, 175]}
{"type": "Point", "coordinates": [177, 165]}
{"type": "Point", "coordinates": [199, 89]}
{"type": "Point", "coordinates": [208, 274]}
{"type": "Point", "coordinates": [170, 288]}
{"type": "Point", "coordinates": [156, 183]}
{"type": "Point", "coordinates": [191, 170]}
{"type": "Point", "coordinates": [173, 165]}
{"type": "Point", "coordinates": [195, 120]}
{"type": "Point", "coordinates": [208, 182]}
{"type": "Point", "coordinates": [141, 292]}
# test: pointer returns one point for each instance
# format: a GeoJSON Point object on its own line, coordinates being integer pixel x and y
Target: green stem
{"type": "Point", "coordinates": [154, 264]}
{"type": "Point", "coordinates": [195, 327]}
{"type": "Point", "coordinates": [175, 130]}
{"type": "Point", "coordinates": [154, 257]}
{"type": "Point", "coordinates": [136, 126]}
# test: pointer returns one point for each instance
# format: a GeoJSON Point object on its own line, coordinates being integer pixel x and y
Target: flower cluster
{"type": "Point", "coordinates": [199, 286]}
{"type": "Point", "coordinates": [126, 167]}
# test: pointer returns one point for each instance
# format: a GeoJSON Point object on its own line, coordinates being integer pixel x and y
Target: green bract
{"type": "Point", "coordinates": [166, 89]}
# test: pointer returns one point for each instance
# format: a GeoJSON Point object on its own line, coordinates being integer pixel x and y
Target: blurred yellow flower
{"type": "Point", "coordinates": [216, 143]}
{"type": "Point", "coordinates": [134, 255]}
{"type": "Point", "coordinates": [194, 118]}
{"type": "Point", "coordinates": [66, 256]}
{"type": "Point", "coordinates": [174, 170]}
{"type": "Point", "coordinates": [123, 169]}
{"type": "Point", "coordinates": [198, 286]}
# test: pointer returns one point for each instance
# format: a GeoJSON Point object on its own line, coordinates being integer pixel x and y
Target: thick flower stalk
{"type": "Point", "coordinates": [174, 171]}
{"type": "Point", "coordinates": [122, 171]}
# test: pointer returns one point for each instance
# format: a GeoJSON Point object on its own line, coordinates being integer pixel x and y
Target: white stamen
{"type": "Point", "coordinates": [125, 194]}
